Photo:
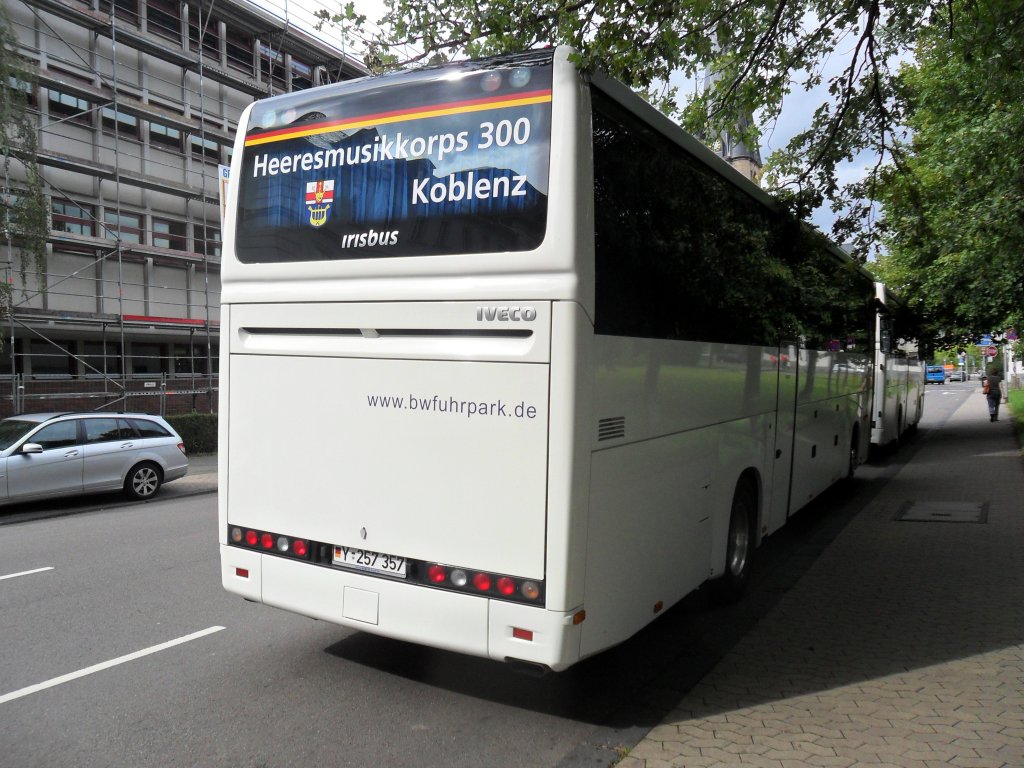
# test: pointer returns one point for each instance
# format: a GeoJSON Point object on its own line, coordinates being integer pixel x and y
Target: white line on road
{"type": "Point", "coordinates": [26, 573]}
{"type": "Point", "coordinates": [105, 665]}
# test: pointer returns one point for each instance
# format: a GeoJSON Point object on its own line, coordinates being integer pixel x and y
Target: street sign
{"type": "Point", "coordinates": [986, 341]}
{"type": "Point", "coordinates": [991, 351]}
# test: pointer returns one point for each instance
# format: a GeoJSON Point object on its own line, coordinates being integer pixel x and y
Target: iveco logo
{"type": "Point", "coordinates": [506, 314]}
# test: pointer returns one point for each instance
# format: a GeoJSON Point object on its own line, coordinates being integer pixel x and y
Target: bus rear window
{"type": "Point", "coordinates": [446, 161]}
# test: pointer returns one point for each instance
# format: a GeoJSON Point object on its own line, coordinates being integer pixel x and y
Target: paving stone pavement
{"type": "Point", "coordinates": [902, 646]}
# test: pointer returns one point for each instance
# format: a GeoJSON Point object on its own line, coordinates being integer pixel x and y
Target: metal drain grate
{"type": "Point", "coordinates": [944, 512]}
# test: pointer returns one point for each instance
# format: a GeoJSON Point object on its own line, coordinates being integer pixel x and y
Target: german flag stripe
{"type": "Point", "coordinates": [402, 115]}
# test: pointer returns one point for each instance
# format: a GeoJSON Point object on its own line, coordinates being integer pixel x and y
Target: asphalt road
{"type": "Point", "coordinates": [126, 652]}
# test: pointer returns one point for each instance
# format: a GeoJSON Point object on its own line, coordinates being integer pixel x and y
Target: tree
{"type": "Point", "coordinates": [760, 52]}
{"type": "Point", "coordinates": [23, 205]}
{"type": "Point", "coordinates": [954, 210]}
{"type": "Point", "coordinates": [876, 107]}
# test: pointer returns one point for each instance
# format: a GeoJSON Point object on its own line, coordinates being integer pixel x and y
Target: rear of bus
{"type": "Point", "coordinates": [400, 308]}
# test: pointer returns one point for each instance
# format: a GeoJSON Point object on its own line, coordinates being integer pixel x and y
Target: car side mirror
{"type": "Point", "coordinates": [31, 448]}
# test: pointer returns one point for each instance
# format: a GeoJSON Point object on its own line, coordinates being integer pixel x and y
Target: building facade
{"type": "Point", "coordinates": [137, 104]}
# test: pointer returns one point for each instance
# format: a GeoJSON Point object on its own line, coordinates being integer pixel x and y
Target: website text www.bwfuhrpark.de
{"type": "Point", "coordinates": [454, 406]}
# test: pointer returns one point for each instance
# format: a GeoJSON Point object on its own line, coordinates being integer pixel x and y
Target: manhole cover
{"type": "Point", "coordinates": [944, 512]}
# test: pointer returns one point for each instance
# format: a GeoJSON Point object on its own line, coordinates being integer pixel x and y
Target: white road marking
{"type": "Point", "coordinates": [26, 573]}
{"type": "Point", "coordinates": [105, 665]}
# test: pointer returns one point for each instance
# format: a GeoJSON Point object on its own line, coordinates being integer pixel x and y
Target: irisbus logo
{"type": "Point", "coordinates": [506, 314]}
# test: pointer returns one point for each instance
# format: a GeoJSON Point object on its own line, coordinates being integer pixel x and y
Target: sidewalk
{"type": "Point", "coordinates": [903, 645]}
{"type": "Point", "coordinates": [201, 478]}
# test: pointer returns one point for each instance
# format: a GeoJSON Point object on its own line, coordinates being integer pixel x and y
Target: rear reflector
{"type": "Point", "coordinates": [242, 573]}
{"type": "Point", "coordinates": [522, 634]}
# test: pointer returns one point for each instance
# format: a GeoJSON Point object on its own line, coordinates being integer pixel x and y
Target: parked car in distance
{"type": "Point", "coordinates": [934, 374]}
{"type": "Point", "coordinates": [958, 375]}
{"type": "Point", "coordinates": [46, 455]}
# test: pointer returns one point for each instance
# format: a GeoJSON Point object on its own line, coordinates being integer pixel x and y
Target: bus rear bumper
{"type": "Point", "coordinates": [462, 623]}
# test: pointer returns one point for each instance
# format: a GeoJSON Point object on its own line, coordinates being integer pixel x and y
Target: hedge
{"type": "Point", "coordinates": [197, 430]}
{"type": "Point", "coordinates": [1016, 400]}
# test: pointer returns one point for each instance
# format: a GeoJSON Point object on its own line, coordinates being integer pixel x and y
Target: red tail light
{"type": "Point", "coordinates": [267, 541]}
{"type": "Point", "coordinates": [506, 586]}
{"type": "Point", "coordinates": [181, 447]}
{"type": "Point", "coordinates": [437, 573]}
{"type": "Point", "coordinates": [482, 581]}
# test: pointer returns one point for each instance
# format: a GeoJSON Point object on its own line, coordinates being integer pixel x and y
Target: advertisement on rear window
{"type": "Point", "coordinates": [448, 161]}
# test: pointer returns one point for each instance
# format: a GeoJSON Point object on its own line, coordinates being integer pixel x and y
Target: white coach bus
{"type": "Point", "coordinates": [899, 375]}
{"type": "Point", "coordinates": [511, 364]}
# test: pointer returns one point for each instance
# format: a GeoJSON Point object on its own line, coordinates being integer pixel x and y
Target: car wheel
{"type": "Point", "coordinates": [143, 481]}
{"type": "Point", "coordinates": [739, 547]}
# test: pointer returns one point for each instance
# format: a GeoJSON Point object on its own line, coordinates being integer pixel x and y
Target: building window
{"type": "Point", "coordinates": [51, 359]}
{"type": "Point", "coordinates": [272, 66]}
{"type": "Point", "coordinates": [207, 240]}
{"type": "Point", "coordinates": [64, 106]}
{"type": "Point", "coordinates": [147, 358]}
{"type": "Point", "coordinates": [169, 234]}
{"type": "Point", "coordinates": [126, 10]}
{"type": "Point", "coordinates": [73, 218]}
{"type": "Point", "coordinates": [163, 17]}
{"type": "Point", "coordinates": [163, 135]}
{"type": "Point", "coordinates": [127, 225]}
{"type": "Point", "coordinates": [127, 125]}
{"type": "Point", "coordinates": [189, 359]}
{"type": "Point", "coordinates": [99, 360]}
{"type": "Point", "coordinates": [302, 75]}
{"type": "Point", "coordinates": [207, 150]}
{"type": "Point", "coordinates": [211, 38]}
{"type": "Point", "coordinates": [26, 88]}
{"type": "Point", "coordinates": [239, 51]}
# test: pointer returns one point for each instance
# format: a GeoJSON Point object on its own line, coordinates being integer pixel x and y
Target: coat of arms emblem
{"type": "Point", "coordinates": [319, 196]}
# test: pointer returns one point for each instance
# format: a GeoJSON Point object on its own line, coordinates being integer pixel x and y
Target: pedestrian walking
{"type": "Point", "coordinates": [992, 387]}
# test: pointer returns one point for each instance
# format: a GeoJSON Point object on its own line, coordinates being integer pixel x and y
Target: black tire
{"type": "Point", "coordinates": [739, 551]}
{"type": "Point", "coordinates": [143, 481]}
{"type": "Point", "coordinates": [852, 462]}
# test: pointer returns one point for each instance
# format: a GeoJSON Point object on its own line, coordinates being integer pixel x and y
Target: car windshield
{"type": "Point", "coordinates": [12, 430]}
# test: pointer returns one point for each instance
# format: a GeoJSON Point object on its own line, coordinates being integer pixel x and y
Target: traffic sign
{"type": "Point", "coordinates": [991, 351]}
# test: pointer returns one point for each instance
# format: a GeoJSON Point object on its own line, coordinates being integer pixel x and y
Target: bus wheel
{"type": "Point", "coordinates": [854, 454]}
{"type": "Point", "coordinates": [740, 546]}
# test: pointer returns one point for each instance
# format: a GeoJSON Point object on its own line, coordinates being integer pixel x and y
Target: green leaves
{"type": "Point", "coordinates": [945, 134]}
{"type": "Point", "coordinates": [954, 211]}
{"type": "Point", "coordinates": [23, 209]}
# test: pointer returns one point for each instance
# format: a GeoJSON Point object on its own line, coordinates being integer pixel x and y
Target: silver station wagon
{"type": "Point", "coordinates": [45, 455]}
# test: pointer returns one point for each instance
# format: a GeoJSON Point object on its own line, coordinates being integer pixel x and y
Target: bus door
{"type": "Point", "coordinates": [782, 458]}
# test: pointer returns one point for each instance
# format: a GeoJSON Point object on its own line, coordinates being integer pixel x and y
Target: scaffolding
{"type": "Point", "coordinates": [144, 96]}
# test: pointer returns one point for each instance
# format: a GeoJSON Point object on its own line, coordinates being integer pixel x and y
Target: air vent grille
{"type": "Point", "coordinates": [611, 428]}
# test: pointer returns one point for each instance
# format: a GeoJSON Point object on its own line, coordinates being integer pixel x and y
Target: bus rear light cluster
{"type": "Point", "coordinates": [483, 583]}
{"type": "Point", "coordinates": [269, 542]}
{"type": "Point", "coordinates": [465, 581]}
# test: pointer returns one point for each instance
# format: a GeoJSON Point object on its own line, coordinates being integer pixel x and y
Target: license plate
{"type": "Point", "coordinates": [365, 560]}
